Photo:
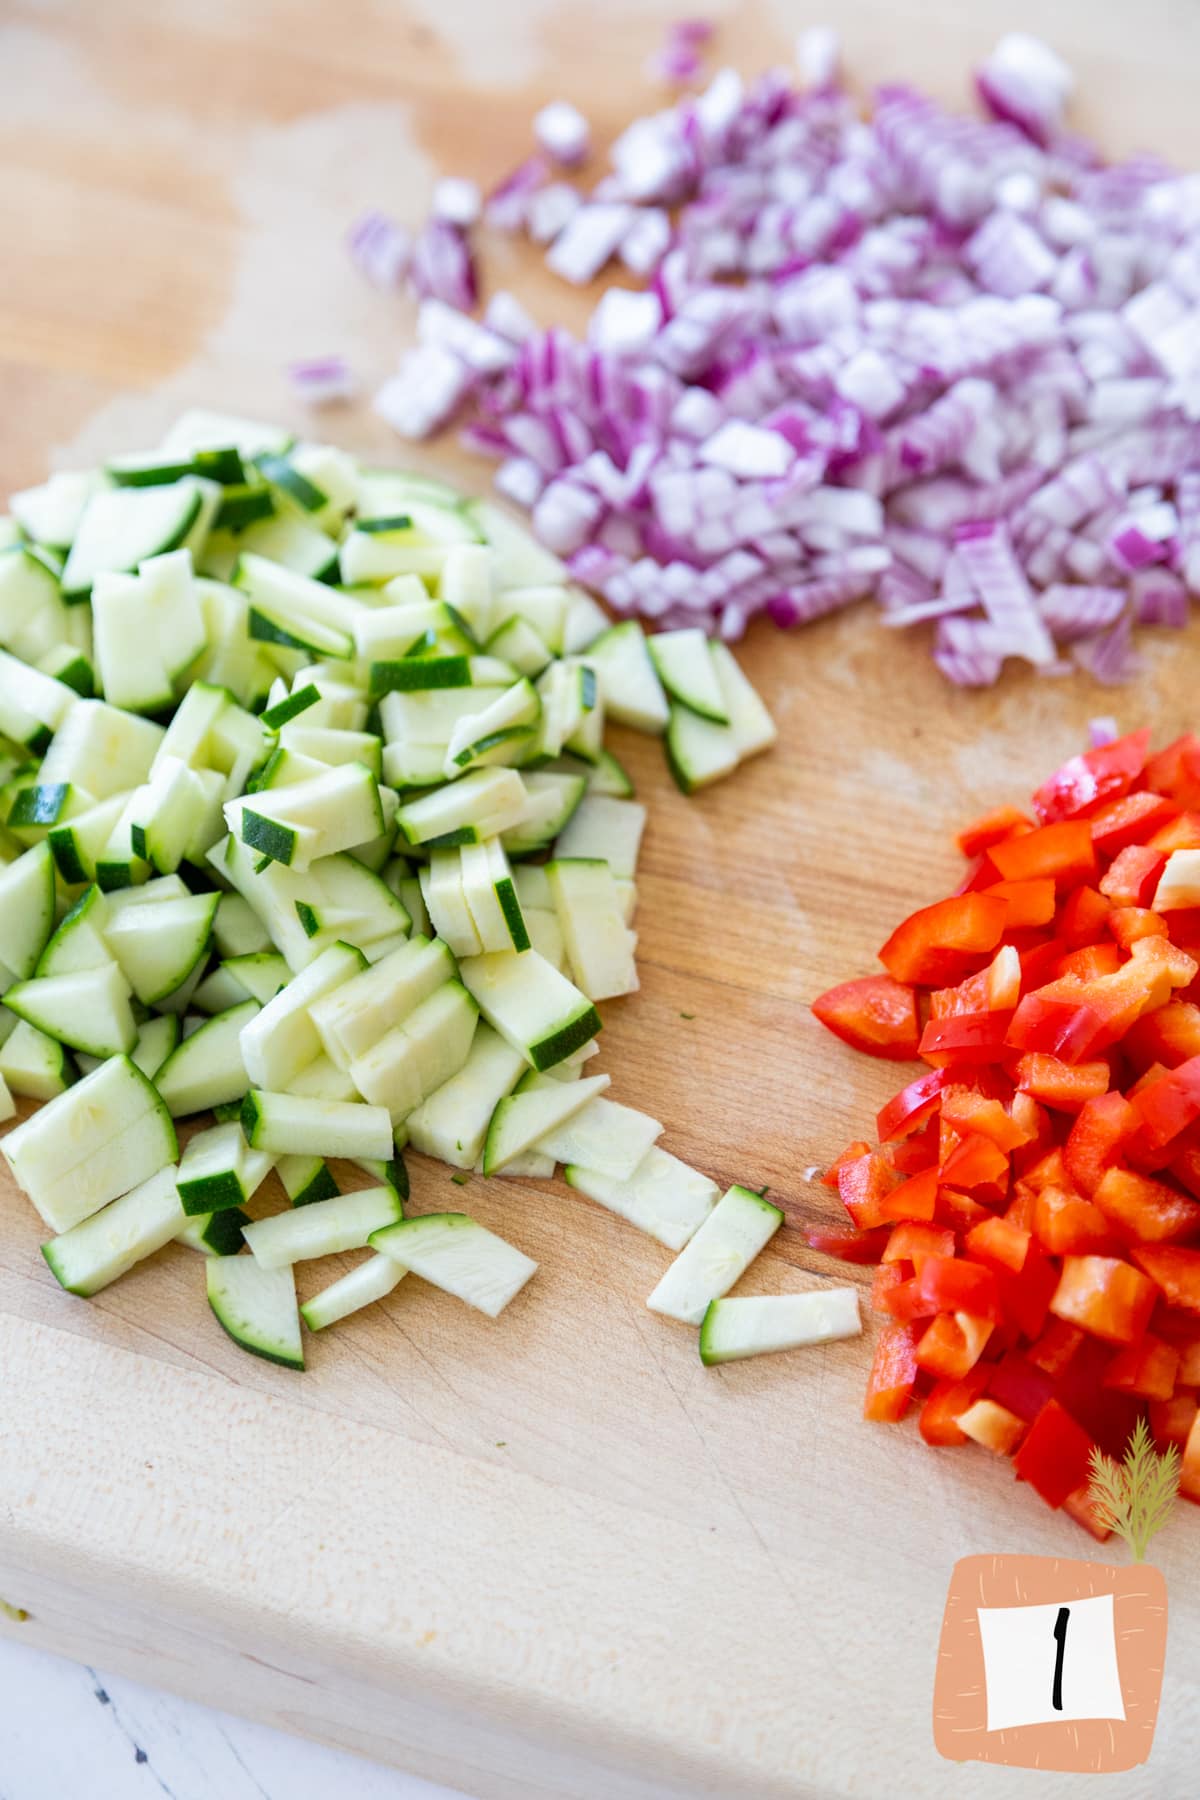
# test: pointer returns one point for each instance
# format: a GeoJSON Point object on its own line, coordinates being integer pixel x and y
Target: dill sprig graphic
{"type": "Point", "coordinates": [1134, 1497]}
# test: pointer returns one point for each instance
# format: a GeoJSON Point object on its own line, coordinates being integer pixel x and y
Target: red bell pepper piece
{"type": "Point", "coordinates": [953, 1285]}
{"type": "Point", "coordinates": [1067, 1225]}
{"type": "Point", "coordinates": [967, 1113]}
{"type": "Point", "coordinates": [1129, 923]}
{"type": "Point", "coordinates": [833, 1174]}
{"type": "Point", "coordinates": [952, 1344]}
{"type": "Point", "coordinates": [893, 1373]}
{"type": "Point", "coordinates": [1030, 903]}
{"type": "Point", "coordinates": [915, 1198]}
{"type": "Point", "coordinates": [864, 1185]}
{"type": "Point", "coordinates": [1182, 833]}
{"type": "Point", "coordinates": [1175, 1272]}
{"type": "Point", "coordinates": [958, 1211]}
{"type": "Point", "coordinates": [1169, 1036]}
{"type": "Point", "coordinates": [969, 1037]}
{"type": "Point", "coordinates": [1026, 1296]}
{"type": "Point", "coordinates": [1020, 1385]}
{"type": "Point", "coordinates": [1106, 1297]}
{"type": "Point", "coordinates": [1037, 1124]}
{"type": "Point", "coordinates": [1089, 961]}
{"type": "Point", "coordinates": [994, 989]}
{"type": "Point", "coordinates": [885, 1280]}
{"type": "Point", "coordinates": [1066, 1087]}
{"type": "Point", "coordinates": [1039, 962]}
{"type": "Point", "coordinates": [1056, 1347]}
{"type": "Point", "coordinates": [1083, 915]}
{"type": "Point", "coordinates": [1185, 1167]}
{"type": "Point", "coordinates": [946, 1403]}
{"type": "Point", "coordinates": [1146, 1211]}
{"type": "Point", "coordinates": [1082, 1508]}
{"type": "Point", "coordinates": [999, 1243]}
{"type": "Point", "coordinates": [899, 1298]}
{"type": "Point", "coordinates": [1132, 879]}
{"type": "Point", "coordinates": [992, 828]}
{"type": "Point", "coordinates": [1133, 819]}
{"type": "Point", "coordinates": [1085, 782]}
{"type": "Point", "coordinates": [1189, 1472]}
{"type": "Point", "coordinates": [1169, 1106]}
{"type": "Point", "coordinates": [876, 1015]}
{"type": "Point", "coordinates": [909, 1155]}
{"type": "Point", "coordinates": [1176, 771]}
{"type": "Point", "coordinates": [1148, 1369]}
{"type": "Point", "coordinates": [912, 1106]}
{"type": "Point", "coordinates": [1172, 1419]}
{"type": "Point", "coordinates": [975, 1162]}
{"type": "Point", "coordinates": [1058, 1021]}
{"type": "Point", "coordinates": [849, 1246]}
{"type": "Point", "coordinates": [1055, 1457]}
{"type": "Point", "coordinates": [938, 945]}
{"type": "Point", "coordinates": [914, 1242]}
{"type": "Point", "coordinates": [1062, 852]}
{"type": "Point", "coordinates": [1095, 1138]}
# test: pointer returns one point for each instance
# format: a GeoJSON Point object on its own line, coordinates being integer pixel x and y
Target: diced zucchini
{"type": "Point", "coordinates": [605, 828]}
{"type": "Point", "coordinates": [326, 1228]}
{"type": "Point", "coordinates": [207, 1068]}
{"type": "Point", "coordinates": [603, 1136]}
{"type": "Point", "coordinates": [107, 1245]}
{"type": "Point", "coordinates": [158, 946]}
{"type": "Point", "coordinates": [215, 1234]}
{"type": "Point", "coordinates": [296, 1125]}
{"type": "Point", "coordinates": [453, 1122]}
{"type": "Point", "coordinates": [121, 527]}
{"type": "Point", "coordinates": [88, 1009]}
{"type": "Point", "coordinates": [699, 752]}
{"type": "Point", "coordinates": [372, 1280]}
{"type": "Point", "coordinates": [491, 897]}
{"type": "Point", "coordinates": [762, 1323]}
{"type": "Point", "coordinates": [27, 896]}
{"type": "Point", "coordinates": [352, 1017]}
{"type": "Point", "coordinates": [33, 1065]}
{"type": "Point", "coordinates": [415, 1058]}
{"type": "Point", "coordinates": [629, 684]}
{"type": "Point", "coordinates": [688, 672]}
{"type": "Point", "coordinates": [533, 1007]}
{"type": "Point", "coordinates": [523, 1120]}
{"type": "Point", "coordinates": [218, 1170]}
{"type": "Point", "coordinates": [306, 1179]}
{"type": "Point", "coordinates": [457, 1254]}
{"type": "Point", "coordinates": [257, 1307]}
{"type": "Point", "coordinates": [740, 1225]}
{"type": "Point", "coordinates": [480, 805]}
{"type": "Point", "coordinates": [237, 929]}
{"type": "Point", "coordinates": [599, 944]}
{"type": "Point", "coordinates": [663, 1197]}
{"type": "Point", "coordinates": [281, 1039]}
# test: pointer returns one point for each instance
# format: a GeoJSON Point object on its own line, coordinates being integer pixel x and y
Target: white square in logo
{"type": "Point", "coordinates": [1043, 1663]}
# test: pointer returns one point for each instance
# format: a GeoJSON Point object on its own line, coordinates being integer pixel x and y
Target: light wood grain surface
{"type": "Point", "coordinates": [551, 1555]}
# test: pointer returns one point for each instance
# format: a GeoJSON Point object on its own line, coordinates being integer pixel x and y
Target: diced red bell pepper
{"type": "Point", "coordinates": [1065, 1224]}
{"type": "Point", "coordinates": [1095, 1138]}
{"type": "Point", "coordinates": [900, 1299]}
{"type": "Point", "coordinates": [975, 1162]}
{"type": "Point", "coordinates": [991, 829]}
{"type": "Point", "coordinates": [993, 1426]}
{"type": "Point", "coordinates": [1022, 1207]}
{"type": "Point", "coordinates": [1183, 929]}
{"type": "Point", "coordinates": [1133, 819]}
{"type": "Point", "coordinates": [886, 1279]}
{"type": "Point", "coordinates": [893, 1373]}
{"type": "Point", "coordinates": [1020, 1385]}
{"type": "Point", "coordinates": [1174, 1271]}
{"type": "Point", "coordinates": [1066, 1087]}
{"type": "Point", "coordinates": [1085, 782]}
{"type": "Point", "coordinates": [1050, 1171]}
{"type": "Point", "coordinates": [1176, 771]}
{"type": "Point", "coordinates": [875, 1014]}
{"type": "Point", "coordinates": [1132, 879]}
{"type": "Point", "coordinates": [939, 944]}
{"type": "Point", "coordinates": [1039, 962]}
{"type": "Point", "coordinates": [1169, 1036]}
{"type": "Point", "coordinates": [999, 1243]}
{"type": "Point", "coordinates": [947, 1401]}
{"type": "Point", "coordinates": [1082, 1508]}
{"type": "Point", "coordinates": [1168, 1107]}
{"type": "Point", "coordinates": [1129, 923]}
{"type": "Point", "coordinates": [1030, 903]}
{"type": "Point", "coordinates": [994, 989]}
{"type": "Point", "coordinates": [912, 1106]}
{"type": "Point", "coordinates": [1148, 1368]}
{"type": "Point", "coordinates": [1172, 1419]}
{"type": "Point", "coordinates": [1063, 853]}
{"type": "Point", "coordinates": [1083, 916]}
{"type": "Point", "coordinates": [968, 1038]}
{"type": "Point", "coordinates": [1089, 961]}
{"type": "Point", "coordinates": [864, 1185]}
{"type": "Point", "coordinates": [1145, 1211]}
{"type": "Point", "coordinates": [832, 1178]}
{"type": "Point", "coordinates": [1145, 1080]}
{"type": "Point", "coordinates": [915, 1198]}
{"type": "Point", "coordinates": [952, 1344]}
{"type": "Point", "coordinates": [914, 1242]}
{"type": "Point", "coordinates": [850, 1246]}
{"type": "Point", "coordinates": [967, 1113]}
{"type": "Point", "coordinates": [1055, 1457]}
{"type": "Point", "coordinates": [909, 1155]}
{"type": "Point", "coordinates": [1058, 1021]}
{"type": "Point", "coordinates": [1185, 1167]}
{"type": "Point", "coordinates": [1037, 1123]}
{"type": "Point", "coordinates": [1056, 1347]}
{"type": "Point", "coordinates": [953, 1285]}
{"type": "Point", "coordinates": [1106, 1297]}
{"type": "Point", "coordinates": [1025, 1296]}
{"type": "Point", "coordinates": [1189, 1471]}
{"type": "Point", "coordinates": [1183, 833]}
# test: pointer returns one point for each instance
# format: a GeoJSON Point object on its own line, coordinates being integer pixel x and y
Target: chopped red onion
{"type": "Point", "coordinates": [457, 201]}
{"type": "Point", "coordinates": [819, 56]}
{"type": "Point", "coordinates": [1159, 597]}
{"type": "Point", "coordinates": [322, 380]}
{"type": "Point", "coordinates": [381, 248]}
{"type": "Point", "coordinates": [1025, 82]}
{"type": "Point", "coordinates": [423, 397]}
{"type": "Point", "coordinates": [1110, 658]}
{"type": "Point", "coordinates": [562, 132]}
{"type": "Point", "coordinates": [589, 239]}
{"type": "Point", "coordinates": [442, 265]}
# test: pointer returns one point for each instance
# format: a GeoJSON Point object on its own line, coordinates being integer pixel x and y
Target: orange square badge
{"type": "Point", "coordinates": [1046, 1663]}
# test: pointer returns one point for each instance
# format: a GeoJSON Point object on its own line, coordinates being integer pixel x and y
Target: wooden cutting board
{"type": "Point", "coordinates": [551, 1555]}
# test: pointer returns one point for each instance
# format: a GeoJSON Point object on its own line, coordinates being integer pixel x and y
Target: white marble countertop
{"type": "Point", "coordinates": [59, 1720]}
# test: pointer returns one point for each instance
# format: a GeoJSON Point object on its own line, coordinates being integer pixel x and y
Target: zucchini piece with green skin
{"type": "Point", "coordinates": [296, 1125]}
{"type": "Point", "coordinates": [296, 544]}
{"type": "Point", "coordinates": [33, 706]}
{"type": "Point", "coordinates": [663, 1197]}
{"type": "Point", "coordinates": [446, 902]}
{"type": "Point", "coordinates": [416, 1057]}
{"type": "Point", "coordinates": [584, 622]}
{"type": "Point", "coordinates": [262, 975]}
{"type": "Point", "coordinates": [327, 1228]}
{"type": "Point", "coordinates": [27, 904]}
{"type": "Point", "coordinates": [238, 930]}
{"type": "Point", "coordinates": [466, 586]}
{"type": "Point", "coordinates": [760, 1324]}
{"type": "Point", "coordinates": [33, 617]}
{"type": "Point", "coordinates": [452, 1123]}
{"type": "Point", "coordinates": [78, 845]}
{"type": "Point", "coordinates": [157, 1038]}
{"type": "Point", "coordinates": [218, 1171]}
{"type": "Point", "coordinates": [70, 665]}
{"type": "Point", "coordinates": [34, 809]}
{"type": "Point", "coordinates": [215, 1234]}
{"type": "Point", "coordinates": [610, 776]}
{"type": "Point", "coordinates": [688, 672]}
{"type": "Point", "coordinates": [605, 1136]}
{"type": "Point", "coordinates": [428, 716]}
{"type": "Point", "coordinates": [281, 1039]}
{"type": "Point", "coordinates": [8, 1106]}
{"type": "Point", "coordinates": [301, 607]}
{"type": "Point", "coordinates": [348, 902]}
{"type": "Point", "coordinates": [605, 828]}
{"type": "Point", "coordinates": [306, 1179]}
{"type": "Point", "coordinates": [158, 946]}
{"type": "Point", "coordinates": [491, 897]}
{"type": "Point", "coordinates": [121, 527]}
{"type": "Point", "coordinates": [148, 630]}
{"type": "Point", "coordinates": [290, 706]}
{"type": "Point", "coordinates": [34, 1065]}
{"type": "Point", "coordinates": [50, 513]}
{"type": "Point", "coordinates": [352, 1017]}
{"type": "Point", "coordinates": [296, 825]}
{"type": "Point", "coordinates": [455, 1253]}
{"type": "Point", "coordinates": [257, 1307]}
{"type": "Point", "coordinates": [372, 1280]}
{"type": "Point", "coordinates": [218, 991]}
{"type": "Point", "coordinates": [533, 1007]}
{"type": "Point", "coordinates": [540, 604]}
{"type": "Point", "coordinates": [388, 1174]}
{"type": "Point", "coordinates": [176, 816]}
{"type": "Point", "coordinates": [495, 733]}
{"type": "Point", "coordinates": [741, 1224]}
{"type": "Point", "coordinates": [518, 643]}
{"type": "Point", "coordinates": [480, 805]}
{"type": "Point", "coordinates": [553, 801]}
{"type": "Point", "coordinates": [92, 1142]}
{"type": "Point", "coordinates": [100, 1249]}
{"type": "Point", "coordinates": [198, 430]}
{"type": "Point", "coordinates": [323, 1080]}
{"type": "Point", "coordinates": [699, 752]}
{"type": "Point", "coordinates": [629, 685]}
{"type": "Point", "coordinates": [751, 724]}
{"type": "Point", "coordinates": [101, 749]}
{"type": "Point", "coordinates": [335, 748]}
{"type": "Point", "coordinates": [545, 936]}
{"type": "Point", "coordinates": [524, 1119]}
{"type": "Point", "coordinates": [415, 674]}
{"type": "Point", "coordinates": [599, 944]}
{"type": "Point", "coordinates": [87, 1010]}
{"type": "Point", "coordinates": [207, 1068]}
